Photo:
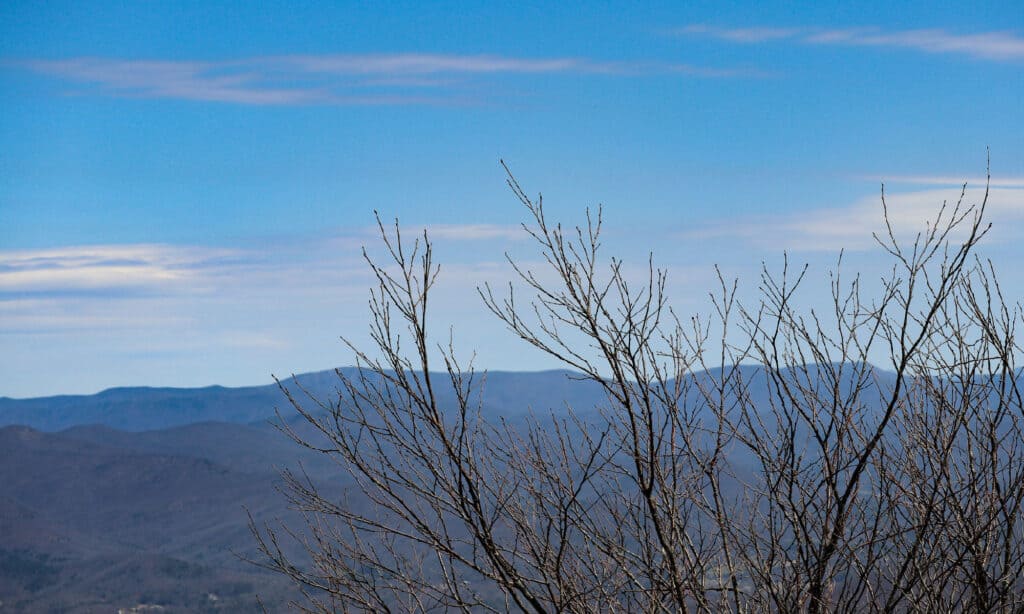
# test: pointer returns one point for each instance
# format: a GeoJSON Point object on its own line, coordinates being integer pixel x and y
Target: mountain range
{"type": "Point", "coordinates": [135, 498]}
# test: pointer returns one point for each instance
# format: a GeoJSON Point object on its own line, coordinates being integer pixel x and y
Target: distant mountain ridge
{"type": "Point", "coordinates": [145, 408]}
{"type": "Point", "coordinates": [508, 394]}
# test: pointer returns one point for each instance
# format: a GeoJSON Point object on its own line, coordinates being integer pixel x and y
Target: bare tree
{"type": "Point", "coordinates": [751, 460]}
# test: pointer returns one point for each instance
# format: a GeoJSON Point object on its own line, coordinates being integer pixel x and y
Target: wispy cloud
{"type": "Point", "coordinates": [850, 227]}
{"type": "Point", "coordinates": [475, 232]}
{"type": "Point", "coordinates": [87, 269]}
{"type": "Point", "coordinates": [741, 35]}
{"type": "Point", "coordinates": [947, 180]}
{"type": "Point", "coordinates": [105, 271]}
{"type": "Point", "coordinates": [994, 45]}
{"type": "Point", "coordinates": [369, 79]}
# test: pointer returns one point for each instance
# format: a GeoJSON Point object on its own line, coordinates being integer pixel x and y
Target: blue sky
{"type": "Point", "coordinates": [185, 187]}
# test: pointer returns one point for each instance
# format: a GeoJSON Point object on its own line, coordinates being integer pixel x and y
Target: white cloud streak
{"type": "Point", "coordinates": [992, 46]}
{"type": "Point", "coordinates": [850, 227]}
{"type": "Point", "coordinates": [947, 180]}
{"type": "Point", "coordinates": [368, 79]}
{"type": "Point", "coordinates": [103, 267]}
{"type": "Point", "coordinates": [172, 269]}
